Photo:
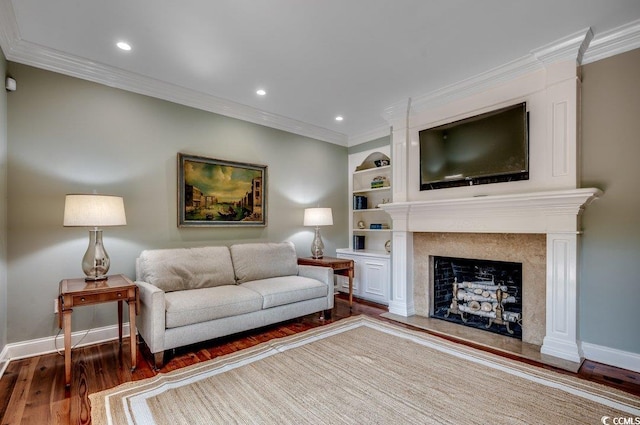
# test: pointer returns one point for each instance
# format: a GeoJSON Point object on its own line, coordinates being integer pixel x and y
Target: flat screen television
{"type": "Point", "coordinates": [488, 148]}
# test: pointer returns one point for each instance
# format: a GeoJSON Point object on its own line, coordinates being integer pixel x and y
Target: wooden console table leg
{"type": "Point", "coordinates": [132, 334]}
{"type": "Point", "coordinates": [120, 321]}
{"type": "Point", "coordinates": [66, 319]}
{"type": "Point", "coordinates": [350, 290]}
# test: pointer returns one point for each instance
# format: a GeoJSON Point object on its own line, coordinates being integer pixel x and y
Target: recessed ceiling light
{"type": "Point", "coordinates": [261, 92]}
{"type": "Point", "coordinates": [339, 118]}
{"type": "Point", "coordinates": [123, 45]}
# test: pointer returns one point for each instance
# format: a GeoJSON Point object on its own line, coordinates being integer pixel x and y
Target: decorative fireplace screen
{"type": "Point", "coordinates": [479, 293]}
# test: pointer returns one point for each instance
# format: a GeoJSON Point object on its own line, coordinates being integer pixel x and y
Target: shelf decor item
{"type": "Point", "coordinates": [358, 242]}
{"type": "Point", "coordinates": [378, 226]}
{"type": "Point", "coordinates": [379, 181]}
{"type": "Point", "coordinates": [91, 210]}
{"type": "Point", "coordinates": [359, 202]}
{"type": "Point", "coordinates": [317, 217]}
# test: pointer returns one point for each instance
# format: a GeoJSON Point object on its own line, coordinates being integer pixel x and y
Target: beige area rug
{"type": "Point", "coordinates": [362, 371]}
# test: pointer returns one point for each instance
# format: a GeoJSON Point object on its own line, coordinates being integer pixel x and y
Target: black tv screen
{"type": "Point", "coordinates": [489, 148]}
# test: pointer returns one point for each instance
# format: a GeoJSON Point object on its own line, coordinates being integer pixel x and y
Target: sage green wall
{"type": "Point", "coordinates": [372, 144]}
{"type": "Point", "coordinates": [610, 260]}
{"type": "Point", "coordinates": [68, 135]}
{"type": "Point", "coordinates": [3, 208]}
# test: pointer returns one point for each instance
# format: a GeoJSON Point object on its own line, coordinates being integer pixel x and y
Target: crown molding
{"type": "Point", "coordinates": [21, 51]}
{"type": "Point", "coordinates": [614, 42]}
{"type": "Point", "coordinates": [397, 113]}
{"type": "Point", "coordinates": [38, 56]}
{"type": "Point", "coordinates": [475, 84]}
{"type": "Point", "coordinates": [368, 136]}
{"type": "Point", "coordinates": [567, 48]}
{"type": "Point", "coordinates": [582, 46]}
{"type": "Point", "coordinates": [570, 47]}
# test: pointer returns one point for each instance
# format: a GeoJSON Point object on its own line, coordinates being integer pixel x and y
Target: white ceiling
{"type": "Point", "coordinates": [315, 58]}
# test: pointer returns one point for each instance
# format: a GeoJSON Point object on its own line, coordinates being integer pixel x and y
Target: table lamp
{"type": "Point", "coordinates": [94, 211]}
{"type": "Point", "coordinates": [317, 217]}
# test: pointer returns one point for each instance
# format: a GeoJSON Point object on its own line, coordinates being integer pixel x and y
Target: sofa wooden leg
{"type": "Point", "coordinates": [158, 359]}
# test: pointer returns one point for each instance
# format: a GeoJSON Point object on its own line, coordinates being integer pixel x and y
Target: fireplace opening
{"type": "Point", "coordinates": [483, 294]}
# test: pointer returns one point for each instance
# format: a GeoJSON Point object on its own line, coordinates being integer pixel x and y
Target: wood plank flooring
{"type": "Point", "coordinates": [32, 390]}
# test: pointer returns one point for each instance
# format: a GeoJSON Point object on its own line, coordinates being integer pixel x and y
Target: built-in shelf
{"type": "Point", "coordinates": [384, 169]}
{"type": "Point", "coordinates": [377, 189]}
{"type": "Point", "coordinates": [369, 210]}
{"type": "Point", "coordinates": [372, 263]}
{"type": "Point", "coordinates": [367, 171]}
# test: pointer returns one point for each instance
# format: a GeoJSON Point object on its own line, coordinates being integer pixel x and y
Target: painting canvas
{"type": "Point", "coordinates": [213, 192]}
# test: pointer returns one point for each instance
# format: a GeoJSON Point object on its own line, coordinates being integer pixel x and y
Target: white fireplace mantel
{"type": "Point", "coordinates": [553, 213]}
{"type": "Point", "coordinates": [538, 212]}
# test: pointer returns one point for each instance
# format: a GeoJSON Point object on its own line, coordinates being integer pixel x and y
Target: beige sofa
{"type": "Point", "coordinates": [189, 295]}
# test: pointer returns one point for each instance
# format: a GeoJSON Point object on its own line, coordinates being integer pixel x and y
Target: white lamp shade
{"type": "Point", "coordinates": [318, 217]}
{"type": "Point", "coordinates": [94, 211]}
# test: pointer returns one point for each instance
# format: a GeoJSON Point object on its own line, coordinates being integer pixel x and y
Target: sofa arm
{"type": "Point", "coordinates": [151, 320]}
{"type": "Point", "coordinates": [324, 275]}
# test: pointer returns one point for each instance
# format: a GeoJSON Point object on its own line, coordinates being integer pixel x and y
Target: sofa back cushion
{"type": "Point", "coordinates": [186, 268]}
{"type": "Point", "coordinates": [253, 261]}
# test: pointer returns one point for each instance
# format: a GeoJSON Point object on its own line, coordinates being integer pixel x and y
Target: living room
{"type": "Point", "coordinates": [64, 134]}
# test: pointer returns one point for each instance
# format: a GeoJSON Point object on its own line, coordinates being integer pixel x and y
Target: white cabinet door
{"type": "Point", "coordinates": [374, 280]}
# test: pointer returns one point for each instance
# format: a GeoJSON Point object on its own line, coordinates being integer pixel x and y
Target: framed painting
{"type": "Point", "coordinates": [214, 192]}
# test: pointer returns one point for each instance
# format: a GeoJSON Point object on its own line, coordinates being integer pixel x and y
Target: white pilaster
{"type": "Point", "coordinates": [561, 339]}
{"type": "Point", "coordinates": [401, 300]}
{"type": "Point", "coordinates": [397, 116]}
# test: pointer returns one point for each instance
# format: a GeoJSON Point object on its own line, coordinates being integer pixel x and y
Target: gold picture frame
{"type": "Point", "coordinates": [215, 193]}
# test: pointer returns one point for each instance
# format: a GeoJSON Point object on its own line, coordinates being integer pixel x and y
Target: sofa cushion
{"type": "Point", "coordinates": [253, 261]}
{"type": "Point", "coordinates": [186, 268]}
{"type": "Point", "coordinates": [200, 305]}
{"type": "Point", "coordinates": [283, 290]}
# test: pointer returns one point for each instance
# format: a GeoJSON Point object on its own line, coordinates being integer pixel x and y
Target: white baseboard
{"type": "Point", "coordinates": [612, 356]}
{"type": "Point", "coordinates": [51, 344]}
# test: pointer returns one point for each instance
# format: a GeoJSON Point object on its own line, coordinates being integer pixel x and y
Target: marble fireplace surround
{"type": "Point", "coordinates": [527, 249]}
{"type": "Point", "coordinates": [551, 215]}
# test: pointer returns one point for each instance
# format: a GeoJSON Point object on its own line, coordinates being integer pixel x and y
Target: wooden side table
{"type": "Point", "coordinates": [340, 266]}
{"type": "Point", "coordinates": [78, 292]}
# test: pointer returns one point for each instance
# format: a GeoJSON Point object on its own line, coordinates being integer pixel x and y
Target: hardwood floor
{"type": "Point", "coordinates": [32, 390]}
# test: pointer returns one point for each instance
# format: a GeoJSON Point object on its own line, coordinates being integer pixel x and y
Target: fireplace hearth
{"type": "Point", "coordinates": [478, 293]}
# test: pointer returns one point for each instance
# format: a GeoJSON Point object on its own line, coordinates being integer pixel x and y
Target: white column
{"type": "Point", "coordinates": [397, 117]}
{"type": "Point", "coordinates": [401, 300]}
{"type": "Point", "coordinates": [561, 338]}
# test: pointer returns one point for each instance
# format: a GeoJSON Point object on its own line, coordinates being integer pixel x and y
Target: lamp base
{"type": "Point", "coordinates": [317, 246]}
{"type": "Point", "coordinates": [95, 278]}
{"type": "Point", "coordinates": [95, 262]}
